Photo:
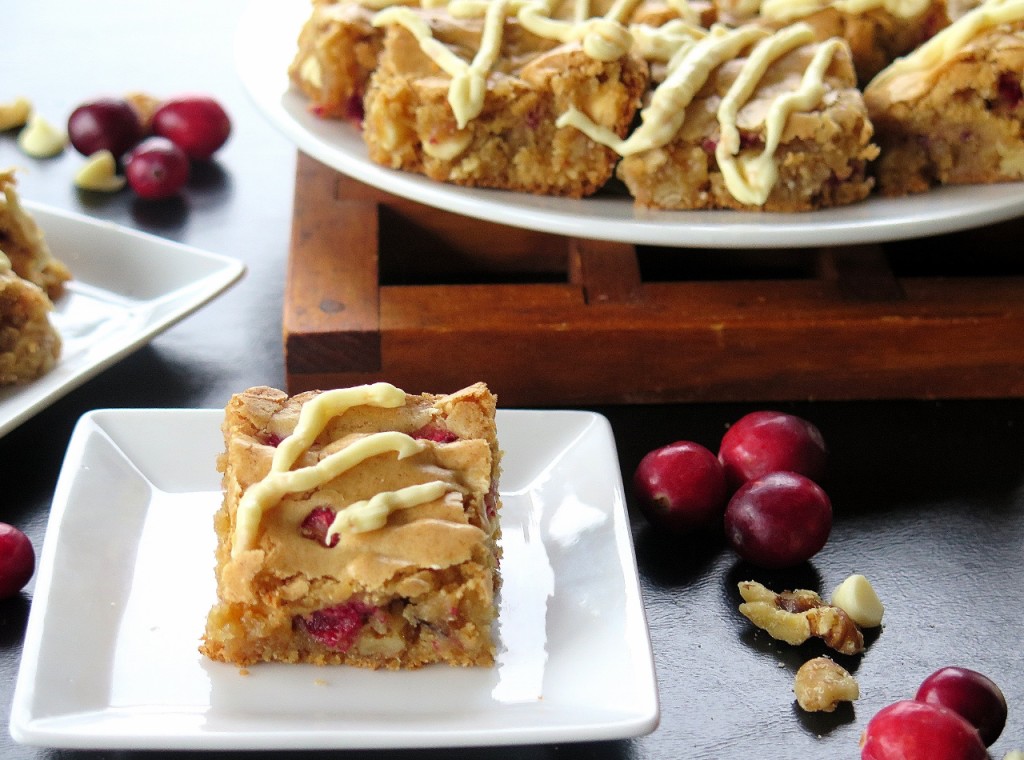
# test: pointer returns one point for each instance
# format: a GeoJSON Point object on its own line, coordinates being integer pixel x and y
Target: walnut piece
{"type": "Point", "coordinates": [820, 685]}
{"type": "Point", "coordinates": [796, 616]}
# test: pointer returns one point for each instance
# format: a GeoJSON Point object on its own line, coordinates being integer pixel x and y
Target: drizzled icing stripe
{"type": "Point", "coordinates": [944, 45]}
{"type": "Point", "coordinates": [313, 418]}
{"type": "Point", "coordinates": [603, 38]}
{"type": "Point", "coordinates": [661, 43]}
{"type": "Point", "coordinates": [790, 10]}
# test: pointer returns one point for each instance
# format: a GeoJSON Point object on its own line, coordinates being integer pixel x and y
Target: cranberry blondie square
{"type": "Point", "coordinates": [359, 526]}
{"type": "Point", "coordinates": [473, 99]}
{"type": "Point", "coordinates": [952, 112]}
{"type": "Point", "coordinates": [749, 119]}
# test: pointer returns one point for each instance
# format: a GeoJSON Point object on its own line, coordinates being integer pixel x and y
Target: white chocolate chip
{"type": "Point", "coordinates": [449, 148]}
{"type": "Point", "coordinates": [40, 139]}
{"type": "Point", "coordinates": [99, 173]}
{"type": "Point", "coordinates": [858, 599]}
{"type": "Point", "coordinates": [1014, 754]}
{"type": "Point", "coordinates": [15, 113]}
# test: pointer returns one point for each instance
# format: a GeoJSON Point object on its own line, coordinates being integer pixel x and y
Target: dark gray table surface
{"type": "Point", "coordinates": [929, 495]}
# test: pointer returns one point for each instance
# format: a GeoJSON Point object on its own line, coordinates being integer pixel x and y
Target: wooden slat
{"type": "Point", "coordinates": [332, 315]}
{"type": "Point", "coordinates": [602, 335]}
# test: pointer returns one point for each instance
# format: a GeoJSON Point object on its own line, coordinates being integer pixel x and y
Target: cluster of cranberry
{"type": "Point", "coordinates": [155, 151]}
{"type": "Point", "coordinates": [762, 487]}
{"type": "Point", "coordinates": [955, 715]}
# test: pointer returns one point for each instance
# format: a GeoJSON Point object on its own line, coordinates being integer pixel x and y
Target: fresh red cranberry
{"type": "Point", "coordinates": [104, 124]}
{"type": "Point", "coordinates": [973, 695]}
{"type": "Point", "coordinates": [197, 124]}
{"type": "Point", "coordinates": [17, 560]}
{"type": "Point", "coordinates": [337, 627]}
{"type": "Point", "coordinates": [316, 525]}
{"type": "Point", "coordinates": [156, 168]}
{"type": "Point", "coordinates": [435, 432]}
{"type": "Point", "coordinates": [912, 730]}
{"type": "Point", "coordinates": [768, 441]}
{"type": "Point", "coordinates": [681, 487]}
{"type": "Point", "coordinates": [778, 520]}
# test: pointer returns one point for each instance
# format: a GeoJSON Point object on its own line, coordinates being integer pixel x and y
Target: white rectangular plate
{"type": "Point", "coordinates": [126, 578]}
{"type": "Point", "coordinates": [128, 287]}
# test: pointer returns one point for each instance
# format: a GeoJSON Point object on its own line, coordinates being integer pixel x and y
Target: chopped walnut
{"type": "Point", "coordinates": [821, 684]}
{"type": "Point", "coordinates": [796, 616]}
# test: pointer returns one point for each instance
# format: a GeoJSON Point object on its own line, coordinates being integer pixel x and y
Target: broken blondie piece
{"type": "Point", "coordinates": [337, 52]}
{"type": "Point", "coordinates": [952, 112]}
{"type": "Point", "coordinates": [359, 526]}
{"type": "Point", "coordinates": [23, 242]}
{"type": "Point", "coordinates": [29, 343]}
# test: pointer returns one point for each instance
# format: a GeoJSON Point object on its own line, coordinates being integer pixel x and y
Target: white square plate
{"type": "Point", "coordinates": [128, 287]}
{"type": "Point", "coordinates": [126, 577]}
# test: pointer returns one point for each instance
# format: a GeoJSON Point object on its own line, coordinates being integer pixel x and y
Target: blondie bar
{"type": "Point", "coordinates": [29, 343]}
{"type": "Point", "coordinates": [473, 99]}
{"type": "Point", "coordinates": [749, 119]}
{"type": "Point", "coordinates": [952, 112]}
{"type": "Point", "coordinates": [24, 243]}
{"type": "Point", "coordinates": [359, 526]}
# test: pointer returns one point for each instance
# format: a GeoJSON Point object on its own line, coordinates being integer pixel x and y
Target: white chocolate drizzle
{"type": "Point", "coordinates": [604, 38]}
{"type": "Point", "coordinates": [944, 45]}
{"type": "Point", "coordinates": [313, 418]}
{"type": "Point", "coordinates": [663, 117]}
{"type": "Point", "coordinates": [790, 10]}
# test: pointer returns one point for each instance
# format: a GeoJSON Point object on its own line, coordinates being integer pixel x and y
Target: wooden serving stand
{"type": "Point", "coordinates": [379, 287]}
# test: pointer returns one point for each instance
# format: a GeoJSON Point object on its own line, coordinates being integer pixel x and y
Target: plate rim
{"type": "Point", "coordinates": [206, 288]}
{"type": "Point", "coordinates": [939, 211]}
{"type": "Point", "coordinates": [78, 730]}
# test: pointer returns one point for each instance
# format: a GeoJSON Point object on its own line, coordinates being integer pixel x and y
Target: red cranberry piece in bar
{"type": "Point", "coordinates": [316, 525]}
{"type": "Point", "coordinates": [337, 627]}
{"type": "Point", "coordinates": [435, 432]}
